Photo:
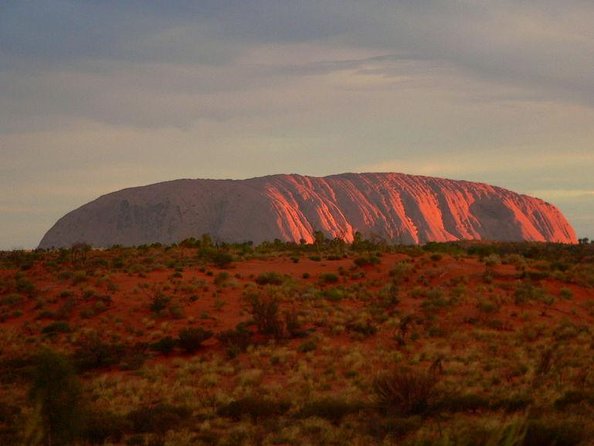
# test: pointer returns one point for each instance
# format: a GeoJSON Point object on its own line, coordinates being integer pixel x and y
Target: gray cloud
{"type": "Point", "coordinates": [141, 91]}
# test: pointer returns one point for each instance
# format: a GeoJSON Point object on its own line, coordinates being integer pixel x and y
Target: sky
{"type": "Point", "coordinates": [99, 95]}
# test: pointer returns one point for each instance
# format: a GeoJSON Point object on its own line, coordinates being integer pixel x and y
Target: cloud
{"type": "Point", "coordinates": [98, 95]}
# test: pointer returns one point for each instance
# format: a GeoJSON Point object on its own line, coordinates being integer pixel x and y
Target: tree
{"type": "Point", "coordinates": [56, 394]}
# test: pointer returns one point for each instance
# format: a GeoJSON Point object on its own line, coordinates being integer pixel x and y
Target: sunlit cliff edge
{"type": "Point", "coordinates": [397, 207]}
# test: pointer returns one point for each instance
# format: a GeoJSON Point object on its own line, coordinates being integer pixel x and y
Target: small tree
{"type": "Point", "coordinates": [56, 394]}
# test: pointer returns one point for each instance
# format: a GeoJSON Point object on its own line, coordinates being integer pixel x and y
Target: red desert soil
{"type": "Point", "coordinates": [220, 308]}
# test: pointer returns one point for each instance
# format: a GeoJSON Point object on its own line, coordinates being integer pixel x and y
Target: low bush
{"type": "Point", "coordinates": [191, 339]}
{"type": "Point", "coordinates": [333, 410]}
{"type": "Point", "coordinates": [56, 327]}
{"type": "Point", "coordinates": [102, 427]}
{"type": "Point", "coordinates": [540, 432]}
{"type": "Point", "coordinates": [164, 345]}
{"type": "Point", "coordinates": [405, 392]}
{"type": "Point", "coordinates": [368, 260]}
{"type": "Point", "coordinates": [158, 419]}
{"type": "Point", "coordinates": [236, 341]}
{"type": "Point", "coordinates": [270, 278]}
{"type": "Point", "coordinates": [254, 407]}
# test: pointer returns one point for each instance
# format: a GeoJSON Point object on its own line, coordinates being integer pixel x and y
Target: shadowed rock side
{"type": "Point", "coordinates": [397, 207]}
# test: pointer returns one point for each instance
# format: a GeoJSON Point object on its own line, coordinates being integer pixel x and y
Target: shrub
{"type": "Point", "coordinates": [469, 402]}
{"type": "Point", "coordinates": [101, 427]}
{"type": "Point", "coordinates": [57, 393]}
{"type": "Point", "coordinates": [265, 312]}
{"type": "Point", "coordinates": [405, 392]}
{"type": "Point", "coordinates": [221, 259]}
{"type": "Point", "coordinates": [371, 259]}
{"type": "Point", "coordinates": [270, 278]}
{"type": "Point", "coordinates": [554, 433]}
{"type": "Point", "coordinates": [236, 340]}
{"type": "Point", "coordinates": [333, 410]}
{"type": "Point", "coordinates": [56, 327]}
{"type": "Point", "coordinates": [328, 278]}
{"type": "Point", "coordinates": [221, 279]}
{"type": "Point", "coordinates": [573, 397]}
{"type": "Point", "coordinates": [158, 419]}
{"type": "Point", "coordinates": [164, 345]}
{"type": "Point", "coordinates": [94, 353]}
{"type": "Point", "coordinates": [191, 339]}
{"type": "Point", "coordinates": [159, 303]}
{"type": "Point", "coordinates": [307, 346]}
{"type": "Point", "coordinates": [365, 328]}
{"type": "Point", "coordinates": [255, 407]}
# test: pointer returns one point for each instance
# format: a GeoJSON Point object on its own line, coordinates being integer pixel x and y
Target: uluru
{"type": "Point", "coordinates": [398, 208]}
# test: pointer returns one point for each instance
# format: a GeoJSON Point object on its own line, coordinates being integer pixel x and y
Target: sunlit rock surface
{"type": "Point", "coordinates": [397, 207]}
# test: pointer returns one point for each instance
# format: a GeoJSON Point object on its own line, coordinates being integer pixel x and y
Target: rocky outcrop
{"type": "Point", "coordinates": [397, 207]}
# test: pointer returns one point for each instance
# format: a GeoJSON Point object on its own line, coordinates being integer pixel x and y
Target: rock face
{"type": "Point", "coordinates": [397, 207]}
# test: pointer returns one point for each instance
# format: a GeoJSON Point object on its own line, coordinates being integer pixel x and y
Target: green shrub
{"type": "Point", "coordinates": [307, 346]}
{"type": "Point", "coordinates": [191, 339]}
{"type": "Point", "coordinates": [333, 410]}
{"type": "Point", "coordinates": [368, 260]}
{"type": "Point", "coordinates": [158, 419]}
{"type": "Point", "coordinates": [56, 327]}
{"type": "Point", "coordinates": [265, 312]}
{"type": "Point", "coordinates": [554, 433]}
{"type": "Point", "coordinates": [328, 278]}
{"type": "Point", "coordinates": [221, 278]}
{"type": "Point", "coordinates": [468, 402]}
{"type": "Point", "coordinates": [221, 259]}
{"type": "Point", "coordinates": [254, 407]}
{"type": "Point", "coordinates": [164, 345]}
{"type": "Point", "coordinates": [236, 341]}
{"type": "Point", "coordinates": [365, 328]}
{"type": "Point", "coordinates": [159, 302]}
{"type": "Point", "coordinates": [573, 397]}
{"type": "Point", "coordinates": [270, 278]}
{"type": "Point", "coordinates": [57, 393]}
{"type": "Point", "coordinates": [93, 353]}
{"type": "Point", "coordinates": [405, 392]}
{"type": "Point", "coordinates": [102, 427]}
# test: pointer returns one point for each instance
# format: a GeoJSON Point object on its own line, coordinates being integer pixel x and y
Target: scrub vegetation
{"type": "Point", "coordinates": [466, 343]}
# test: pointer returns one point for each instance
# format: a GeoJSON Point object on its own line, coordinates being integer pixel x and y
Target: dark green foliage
{"type": "Point", "coordinates": [554, 433]}
{"type": "Point", "coordinates": [104, 427]}
{"type": "Point", "coordinates": [265, 312]}
{"type": "Point", "coordinates": [24, 285]}
{"type": "Point", "coordinates": [405, 392]}
{"type": "Point", "coordinates": [164, 345]}
{"type": "Point", "coordinates": [328, 278]}
{"type": "Point", "coordinates": [57, 393]}
{"type": "Point", "coordinates": [368, 260]}
{"type": "Point", "coordinates": [236, 341]}
{"type": "Point", "coordinates": [191, 339]}
{"type": "Point", "coordinates": [307, 346]}
{"type": "Point", "coordinates": [221, 259]}
{"type": "Point", "coordinates": [333, 410]}
{"type": "Point", "coordinates": [158, 419]}
{"type": "Point", "coordinates": [254, 407]}
{"type": "Point", "coordinates": [221, 279]}
{"type": "Point", "coordinates": [469, 402]}
{"type": "Point", "coordinates": [159, 302]}
{"type": "Point", "coordinates": [9, 417]}
{"type": "Point", "coordinates": [56, 327]}
{"type": "Point", "coordinates": [270, 278]}
{"type": "Point", "coordinates": [365, 328]}
{"type": "Point", "coordinates": [512, 403]}
{"type": "Point", "coordinates": [574, 397]}
{"type": "Point", "coordinates": [93, 354]}
{"type": "Point", "coordinates": [526, 292]}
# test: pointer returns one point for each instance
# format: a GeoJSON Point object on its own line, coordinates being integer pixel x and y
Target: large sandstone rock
{"type": "Point", "coordinates": [397, 207]}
